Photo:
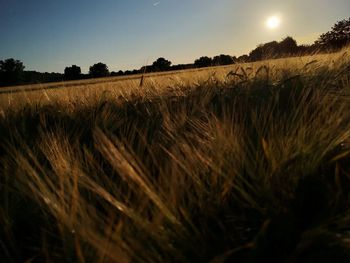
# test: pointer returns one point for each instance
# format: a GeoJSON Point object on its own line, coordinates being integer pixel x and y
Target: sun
{"type": "Point", "coordinates": [273, 22]}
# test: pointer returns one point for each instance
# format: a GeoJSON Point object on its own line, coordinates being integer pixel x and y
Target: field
{"type": "Point", "coordinates": [154, 84]}
{"type": "Point", "coordinates": [242, 163]}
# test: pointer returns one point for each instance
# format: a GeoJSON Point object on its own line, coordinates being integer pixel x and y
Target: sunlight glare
{"type": "Point", "coordinates": [273, 22]}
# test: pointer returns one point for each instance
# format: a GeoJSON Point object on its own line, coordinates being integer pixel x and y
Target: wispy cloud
{"type": "Point", "coordinates": [156, 3]}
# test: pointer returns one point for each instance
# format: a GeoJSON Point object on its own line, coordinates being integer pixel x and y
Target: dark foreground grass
{"type": "Point", "coordinates": [252, 169]}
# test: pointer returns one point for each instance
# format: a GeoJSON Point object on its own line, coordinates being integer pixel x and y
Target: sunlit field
{"type": "Point", "coordinates": [241, 163]}
{"type": "Point", "coordinates": [174, 82]}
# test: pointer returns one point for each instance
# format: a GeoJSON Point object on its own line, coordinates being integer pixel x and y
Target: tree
{"type": "Point", "coordinates": [161, 64]}
{"type": "Point", "coordinates": [288, 46]}
{"type": "Point", "coordinates": [256, 54]}
{"type": "Point", "coordinates": [337, 38]}
{"type": "Point", "coordinates": [243, 59]}
{"type": "Point", "coordinates": [30, 77]}
{"type": "Point", "coordinates": [71, 73]}
{"type": "Point", "coordinates": [99, 70]}
{"type": "Point", "coordinates": [274, 49]}
{"type": "Point", "coordinates": [11, 71]}
{"type": "Point", "coordinates": [223, 60]}
{"type": "Point", "coordinates": [203, 62]}
{"type": "Point", "coordinates": [119, 73]}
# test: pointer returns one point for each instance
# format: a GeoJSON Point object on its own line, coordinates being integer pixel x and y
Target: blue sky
{"type": "Point", "coordinates": [48, 35]}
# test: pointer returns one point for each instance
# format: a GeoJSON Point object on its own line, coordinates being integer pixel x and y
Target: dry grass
{"type": "Point", "coordinates": [248, 163]}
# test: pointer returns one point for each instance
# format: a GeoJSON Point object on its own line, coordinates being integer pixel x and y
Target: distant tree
{"type": "Point", "coordinates": [182, 66]}
{"type": "Point", "coordinates": [145, 69]}
{"type": "Point", "coordinates": [243, 59]}
{"type": "Point", "coordinates": [161, 64]}
{"type": "Point", "coordinates": [135, 71]}
{"type": "Point", "coordinates": [274, 49]}
{"type": "Point", "coordinates": [32, 77]}
{"type": "Point", "coordinates": [257, 53]}
{"type": "Point", "coordinates": [288, 46]}
{"type": "Point", "coordinates": [128, 72]}
{"type": "Point", "coordinates": [71, 73]}
{"type": "Point", "coordinates": [99, 70]}
{"type": "Point", "coordinates": [271, 50]}
{"type": "Point", "coordinates": [203, 62]}
{"type": "Point", "coordinates": [11, 72]}
{"type": "Point", "coordinates": [337, 38]}
{"type": "Point", "coordinates": [223, 60]}
{"type": "Point", "coordinates": [119, 73]}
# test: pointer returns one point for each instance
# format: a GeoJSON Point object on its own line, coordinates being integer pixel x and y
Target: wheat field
{"type": "Point", "coordinates": [244, 163]}
{"type": "Point", "coordinates": [86, 91]}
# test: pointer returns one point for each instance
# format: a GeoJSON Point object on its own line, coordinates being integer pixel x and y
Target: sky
{"type": "Point", "coordinates": [48, 35]}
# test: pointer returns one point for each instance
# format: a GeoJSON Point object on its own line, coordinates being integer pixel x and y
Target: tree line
{"type": "Point", "coordinates": [12, 71]}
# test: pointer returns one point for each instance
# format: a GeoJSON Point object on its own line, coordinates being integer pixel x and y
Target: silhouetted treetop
{"type": "Point", "coordinates": [264, 51]}
{"type": "Point", "coordinates": [72, 73]}
{"type": "Point", "coordinates": [11, 71]}
{"type": "Point", "coordinates": [119, 73]}
{"type": "Point", "coordinates": [243, 59]}
{"type": "Point", "coordinates": [203, 62]}
{"type": "Point", "coordinates": [161, 64]}
{"type": "Point", "coordinates": [288, 45]}
{"type": "Point", "coordinates": [338, 37]}
{"type": "Point", "coordinates": [11, 65]}
{"type": "Point", "coordinates": [99, 70]}
{"type": "Point", "coordinates": [223, 60]}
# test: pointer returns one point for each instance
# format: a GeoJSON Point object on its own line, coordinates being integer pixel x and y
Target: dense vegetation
{"type": "Point", "coordinates": [12, 71]}
{"type": "Point", "coordinates": [251, 168]}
